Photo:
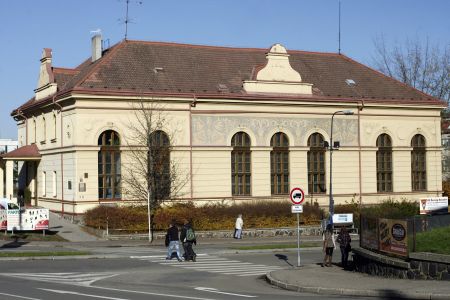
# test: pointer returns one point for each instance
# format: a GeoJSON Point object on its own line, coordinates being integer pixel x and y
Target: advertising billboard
{"type": "Point", "coordinates": [433, 205]}
{"type": "Point", "coordinates": [393, 236]}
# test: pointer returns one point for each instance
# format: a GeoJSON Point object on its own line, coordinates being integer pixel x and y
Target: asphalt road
{"type": "Point", "coordinates": [149, 276]}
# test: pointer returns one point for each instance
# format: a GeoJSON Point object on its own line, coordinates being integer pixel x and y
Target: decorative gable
{"type": "Point", "coordinates": [46, 84]}
{"type": "Point", "coordinates": [277, 76]}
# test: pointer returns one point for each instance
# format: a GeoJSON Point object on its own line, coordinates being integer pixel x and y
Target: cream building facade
{"type": "Point", "coordinates": [246, 125]}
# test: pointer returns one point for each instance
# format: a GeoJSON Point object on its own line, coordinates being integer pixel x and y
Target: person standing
{"type": "Point", "coordinates": [188, 238]}
{"type": "Point", "coordinates": [328, 245]}
{"type": "Point", "coordinates": [238, 227]}
{"type": "Point", "coordinates": [344, 241]}
{"type": "Point", "coordinates": [172, 241]}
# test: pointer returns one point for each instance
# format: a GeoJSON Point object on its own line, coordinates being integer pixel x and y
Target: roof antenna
{"type": "Point", "coordinates": [339, 38]}
{"type": "Point", "coordinates": [127, 19]}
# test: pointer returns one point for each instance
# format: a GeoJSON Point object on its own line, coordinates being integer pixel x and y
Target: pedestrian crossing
{"type": "Point", "coordinates": [213, 264]}
{"type": "Point", "coordinates": [73, 278]}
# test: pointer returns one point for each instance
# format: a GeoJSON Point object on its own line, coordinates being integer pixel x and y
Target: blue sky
{"type": "Point", "coordinates": [28, 26]}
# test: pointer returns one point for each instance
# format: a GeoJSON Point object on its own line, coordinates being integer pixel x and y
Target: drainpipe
{"type": "Point", "coordinates": [61, 159]}
{"type": "Point", "coordinates": [360, 108]}
{"type": "Point", "coordinates": [19, 112]}
{"type": "Point", "coordinates": [193, 104]}
{"type": "Point", "coordinates": [25, 164]}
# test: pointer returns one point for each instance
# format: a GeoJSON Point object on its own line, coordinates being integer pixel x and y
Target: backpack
{"type": "Point", "coordinates": [190, 234]}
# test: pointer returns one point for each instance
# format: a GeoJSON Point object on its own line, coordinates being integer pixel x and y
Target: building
{"type": "Point", "coordinates": [8, 145]}
{"type": "Point", "coordinates": [248, 124]}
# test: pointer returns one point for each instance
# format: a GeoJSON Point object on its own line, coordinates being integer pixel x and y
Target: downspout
{"type": "Point", "coordinates": [19, 112]}
{"type": "Point", "coordinates": [192, 104]}
{"type": "Point", "coordinates": [25, 164]}
{"type": "Point", "coordinates": [62, 166]}
{"type": "Point", "coordinates": [360, 108]}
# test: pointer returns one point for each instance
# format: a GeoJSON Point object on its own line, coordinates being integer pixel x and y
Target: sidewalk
{"type": "Point", "coordinates": [336, 281]}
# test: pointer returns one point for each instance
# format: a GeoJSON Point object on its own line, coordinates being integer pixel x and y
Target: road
{"type": "Point", "coordinates": [139, 275]}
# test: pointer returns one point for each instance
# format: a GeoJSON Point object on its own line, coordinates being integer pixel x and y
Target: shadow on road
{"type": "Point", "coordinates": [285, 258]}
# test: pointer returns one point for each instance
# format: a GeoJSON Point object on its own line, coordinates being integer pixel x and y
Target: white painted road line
{"type": "Point", "coordinates": [212, 290]}
{"type": "Point", "coordinates": [20, 297]}
{"type": "Point", "coordinates": [81, 294]}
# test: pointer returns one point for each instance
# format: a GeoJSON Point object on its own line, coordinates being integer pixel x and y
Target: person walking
{"type": "Point", "coordinates": [172, 241]}
{"type": "Point", "coordinates": [238, 227]}
{"type": "Point", "coordinates": [328, 245]}
{"type": "Point", "coordinates": [344, 241]}
{"type": "Point", "coordinates": [188, 238]}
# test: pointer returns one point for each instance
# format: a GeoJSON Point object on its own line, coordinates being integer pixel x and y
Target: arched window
{"type": "Point", "coordinates": [109, 177]}
{"type": "Point", "coordinates": [160, 150]}
{"type": "Point", "coordinates": [241, 164]}
{"type": "Point", "coordinates": [316, 164]}
{"type": "Point", "coordinates": [384, 163]}
{"type": "Point", "coordinates": [418, 163]}
{"type": "Point", "coordinates": [279, 164]}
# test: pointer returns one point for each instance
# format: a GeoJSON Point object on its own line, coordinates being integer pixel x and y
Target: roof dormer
{"type": "Point", "coordinates": [277, 76]}
{"type": "Point", "coordinates": [46, 84]}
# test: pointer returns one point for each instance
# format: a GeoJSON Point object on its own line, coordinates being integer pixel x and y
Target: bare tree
{"type": "Point", "coordinates": [420, 65]}
{"type": "Point", "coordinates": [150, 174]}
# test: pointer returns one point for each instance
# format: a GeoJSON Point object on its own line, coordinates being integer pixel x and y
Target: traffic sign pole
{"type": "Point", "coordinates": [298, 240]}
{"type": "Point", "coordinates": [297, 197]}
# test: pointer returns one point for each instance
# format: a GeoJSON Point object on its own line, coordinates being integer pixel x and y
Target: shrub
{"type": "Point", "coordinates": [215, 216]}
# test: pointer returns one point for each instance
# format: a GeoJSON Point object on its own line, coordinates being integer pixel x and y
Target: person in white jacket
{"type": "Point", "coordinates": [238, 227]}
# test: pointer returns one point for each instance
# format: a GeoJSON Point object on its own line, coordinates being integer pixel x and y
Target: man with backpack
{"type": "Point", "coordinates": [188, 238]}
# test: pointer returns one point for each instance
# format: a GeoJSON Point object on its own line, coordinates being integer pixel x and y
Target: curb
{"type": "Point", "coordinates": [398, 294]}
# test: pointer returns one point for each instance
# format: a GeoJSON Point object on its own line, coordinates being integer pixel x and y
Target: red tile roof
{"type": "Point", "coordinates": [29, 152]}
{"type": "Point", "coordinates": [167, 68]}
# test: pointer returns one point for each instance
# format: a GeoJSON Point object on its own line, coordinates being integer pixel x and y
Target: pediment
{"type": "Point", "coordinates": [277, 76]}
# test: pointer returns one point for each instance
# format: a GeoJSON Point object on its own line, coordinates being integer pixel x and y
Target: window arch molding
{"type": "Point", "coordinates": [312, 131]}
{"type": "Point", "coordinates": [246, 131]}
{"type": "Point", "coordinates": [270, 134]}
{"type": "Point", "coordinates": [102, 129]}
{"type": "Point", "coordinates": [376, 135]}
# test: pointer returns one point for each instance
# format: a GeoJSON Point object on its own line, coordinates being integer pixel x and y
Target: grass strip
{"type": "Point", "coordinates": [435, 241]}
{"type": "Point", "coordinates": [43, 253]}
{"type": "Point", "coordinates": [278, 246]}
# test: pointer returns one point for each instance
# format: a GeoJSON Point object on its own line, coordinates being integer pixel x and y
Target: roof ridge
{"type": "Point", "coordinates": [65, 70]}
{"type": "Point", "coordinates": [223, 47]}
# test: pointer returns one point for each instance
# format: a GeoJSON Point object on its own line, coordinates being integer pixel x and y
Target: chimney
{"type": "Point", "coordinates": [96, 47]}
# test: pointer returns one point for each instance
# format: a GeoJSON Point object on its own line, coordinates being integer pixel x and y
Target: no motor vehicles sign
{"type": "Point", "coordinates": [297, 195]}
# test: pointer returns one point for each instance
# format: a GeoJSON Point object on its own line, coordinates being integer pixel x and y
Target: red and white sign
{"type": "Point", "coordinates": [297, 195]}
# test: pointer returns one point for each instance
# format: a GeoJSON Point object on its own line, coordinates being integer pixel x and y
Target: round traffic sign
{"type": "Point", "coordinates": [297, 195]}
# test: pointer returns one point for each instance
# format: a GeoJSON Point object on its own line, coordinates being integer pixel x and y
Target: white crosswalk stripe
{"type": "Point", "coordinates": [73, 278]}
{"type": "Point", "coordinates": [213, 264]}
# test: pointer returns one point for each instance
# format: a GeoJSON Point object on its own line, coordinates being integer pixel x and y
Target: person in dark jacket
{"type": "Point", "coordinates": [344, 241]}
{"type": "Point", "coordinates": [172, 241]}
{"type": "Point", "coordinates": [188, 238]}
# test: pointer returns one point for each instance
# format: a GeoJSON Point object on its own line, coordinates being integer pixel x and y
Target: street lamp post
{"type": "Point", "coordinates": [331, 147]}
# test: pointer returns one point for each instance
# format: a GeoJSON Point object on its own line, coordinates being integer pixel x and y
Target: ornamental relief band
{"type": "Point", "coordinates": [216, 130]}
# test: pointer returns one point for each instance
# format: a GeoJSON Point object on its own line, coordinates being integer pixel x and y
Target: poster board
{"type": "Point", "coordinates": [393, 236]}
